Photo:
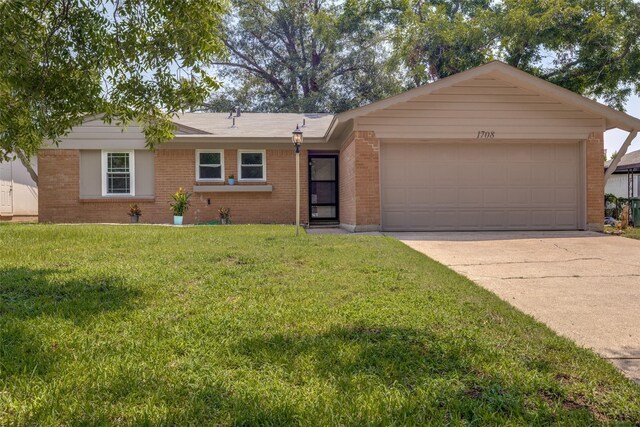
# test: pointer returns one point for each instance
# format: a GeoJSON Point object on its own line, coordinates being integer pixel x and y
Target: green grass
{"type": "Point", "coordinates": [630, 232]}
{"type": "Point", "coordinates": [249, 325]}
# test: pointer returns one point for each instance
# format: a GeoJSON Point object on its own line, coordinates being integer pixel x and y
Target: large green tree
{"type": "Point", "coordinates": [304, 55]}
{"type": "Point", "coordinates": [589, 46]}
{"type": "Point", "coordinates": [62, 60]}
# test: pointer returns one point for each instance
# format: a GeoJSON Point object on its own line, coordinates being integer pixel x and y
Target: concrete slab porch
{"type": "Point", "coordinates": [583, 285]}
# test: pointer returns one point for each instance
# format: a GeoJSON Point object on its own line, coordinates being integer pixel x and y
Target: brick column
{"type": "Point", "coordinates": [595, 181]}
{"type": "Point", "coordinates": [360, 182]}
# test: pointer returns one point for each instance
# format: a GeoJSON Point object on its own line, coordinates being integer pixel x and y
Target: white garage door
{"type": "Point", "coordinates": [480, 186]}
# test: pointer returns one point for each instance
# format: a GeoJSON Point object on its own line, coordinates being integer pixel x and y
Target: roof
{"type": "Point", "coordinates": [614, 118]}
{"type": "Point", "coordinates": [629, 161]}
{"type": "Point", "coordinates": [253, 125]}
{"type": "Point", "coordinates": [278, 126]}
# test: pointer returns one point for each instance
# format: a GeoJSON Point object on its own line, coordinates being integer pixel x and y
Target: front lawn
{"type": "Point", "coordinates": [249, 325]}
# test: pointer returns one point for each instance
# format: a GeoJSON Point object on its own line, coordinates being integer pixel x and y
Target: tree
{"type": "Point", "coordinates": [613, 155]}
{"type": "Point", "coordinates": [62, 60]}
{"type": "Point", "coordinates": [591, 47]}
{"type": "Point", "coordinates": [304, 55]}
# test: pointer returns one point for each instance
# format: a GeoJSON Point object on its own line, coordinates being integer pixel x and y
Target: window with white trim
{"type": "Point", "coordinates": [117, 173]}
{"type": "Point", "coordinates": [252, 165]}
{"type": "Point", "coordinates": [209, 165]}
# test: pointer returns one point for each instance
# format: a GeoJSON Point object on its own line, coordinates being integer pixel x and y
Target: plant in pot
{"type": "Point", "coordinates": [232, 179]}
{"type": "Point", "coordinates": [225, 214]}
{"type": "Point", "coordinates": [135, 212]}
{"type": "Point", "coordinates": [180, 205]}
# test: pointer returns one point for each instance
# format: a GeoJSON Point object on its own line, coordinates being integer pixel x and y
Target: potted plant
{"type": "Point", "coordinates": [135, 212]}
{"type": "Point", "coordinates": [232, 180]}
{"type": "Point", "coordinates": [180, 205]}
{"type": "Point", "coordinates": [224, 215]}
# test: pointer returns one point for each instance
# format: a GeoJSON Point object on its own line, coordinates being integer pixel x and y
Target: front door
{"type": "Point", "coordinates": [323, 188]}
{"type": "Point", "coordinates": [6, 181]}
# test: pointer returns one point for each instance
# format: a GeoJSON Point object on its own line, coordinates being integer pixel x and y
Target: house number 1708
{"type": "Point", "coordinates": [486, 134]}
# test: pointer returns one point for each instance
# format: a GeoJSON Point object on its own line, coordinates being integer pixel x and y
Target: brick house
{"type": "Point", "coordinates": [492, 148]}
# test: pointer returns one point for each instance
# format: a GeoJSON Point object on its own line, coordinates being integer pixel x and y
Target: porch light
{"type": "Point", "coordinates": [296, 138]}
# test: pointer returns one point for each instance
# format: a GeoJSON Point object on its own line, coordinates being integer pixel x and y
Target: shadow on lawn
{"type": "Point", "coordinates": [448, 370]}
{"type": "Point", "coordinates": [26, 294]}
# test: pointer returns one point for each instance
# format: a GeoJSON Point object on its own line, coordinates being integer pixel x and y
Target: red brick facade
{"type": "Point", "coordinates": [359, 188]}
{"type": "Point", "coordinates": [595, 182]}
{"type": "Point", "coordinates": [60, 191]}
{"type": "Point", "coordinates": [360, 182]}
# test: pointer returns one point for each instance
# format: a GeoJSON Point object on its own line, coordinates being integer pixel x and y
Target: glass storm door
{"type": "Point", "coordinates": [323, 188]}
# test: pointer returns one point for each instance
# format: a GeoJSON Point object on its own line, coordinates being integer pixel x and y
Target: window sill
{"type": "Point", "coordinates": [243, 188]}
{"type": "Point", "coordinates": [117, 199]}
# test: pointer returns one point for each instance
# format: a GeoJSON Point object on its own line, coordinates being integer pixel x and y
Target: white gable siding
{"type": "Point", "coordinates": [481, 104]}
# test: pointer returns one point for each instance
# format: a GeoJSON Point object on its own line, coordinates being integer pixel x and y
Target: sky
{"type": "Point", "coordinates": [614, 138]}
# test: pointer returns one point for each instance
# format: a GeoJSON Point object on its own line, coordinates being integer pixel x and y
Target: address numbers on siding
{"type": "Point", "coordinates": [486, 134]}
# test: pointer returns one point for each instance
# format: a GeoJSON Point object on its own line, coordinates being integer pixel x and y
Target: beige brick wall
{"type": "Point", "coordinates": [360, 181]}
{"type": "Point", "coordinates": [60, 202]}
{"type": "Point", "coordinates": [595, 181]}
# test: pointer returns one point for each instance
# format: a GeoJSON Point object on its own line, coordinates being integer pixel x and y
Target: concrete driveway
{"type": "Point", "coordinates": [585, 286]}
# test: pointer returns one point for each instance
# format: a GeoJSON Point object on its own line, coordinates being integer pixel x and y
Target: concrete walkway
{"type": "Point", "coordinates": [585, 286]}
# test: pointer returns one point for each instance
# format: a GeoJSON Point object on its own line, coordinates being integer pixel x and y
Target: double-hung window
{"type": "Point", "coordinates": [252, 165]}
{"type": "Point", "coordinates": [209, 165]}
{"type": "Point", "coordinates": [118, 173]}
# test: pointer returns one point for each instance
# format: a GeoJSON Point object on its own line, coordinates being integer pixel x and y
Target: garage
{"type": "Point", "coordinates": [481, 185]}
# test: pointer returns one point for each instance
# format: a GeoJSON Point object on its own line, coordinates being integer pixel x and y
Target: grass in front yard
{"type": "Point", "coordinates": [630, 232]}
{"type": "Point", "coordinates": [249, 325]}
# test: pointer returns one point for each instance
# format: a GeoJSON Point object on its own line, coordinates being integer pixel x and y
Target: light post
{"type": "Point", "coordinates": [296, 138]}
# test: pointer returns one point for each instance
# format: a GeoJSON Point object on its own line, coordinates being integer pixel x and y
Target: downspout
{"type": "Point", "coordinates": [623, 150]}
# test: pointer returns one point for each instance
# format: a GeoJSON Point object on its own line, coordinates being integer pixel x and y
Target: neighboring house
{"type": "Point", "coordinates": [625, 180]}
{"type": "Point", "coordinates": [18, 192]}
{"type": "Point", "coordinates": [492, 148]}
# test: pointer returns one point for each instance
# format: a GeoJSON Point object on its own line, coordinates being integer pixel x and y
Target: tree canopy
{"type": "Point", "coordinates": [323, 55]}
{"type": "Point", "coordinates": [62, 60]}
{"type": "Point", "coordinates": [304, 55]}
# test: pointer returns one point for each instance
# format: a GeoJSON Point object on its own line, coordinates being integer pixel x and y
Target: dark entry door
{"type": "Point", "coordinates": [323, 188]}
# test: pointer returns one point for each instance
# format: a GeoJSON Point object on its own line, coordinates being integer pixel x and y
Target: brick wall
{"type": "Point", "coordinates": [595, 182]}
{"type": "Point", "coordinates": [347, 184]}
{"type": "Point", "coordinates": [360, 182]}
{"type": "Point", "coordinates": [60, 202]}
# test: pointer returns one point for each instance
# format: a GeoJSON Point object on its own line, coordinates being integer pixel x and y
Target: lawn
{"type": "Point", "coordinates": [248, 325]}
{"type": "Point", "coordinates": [630, 232]}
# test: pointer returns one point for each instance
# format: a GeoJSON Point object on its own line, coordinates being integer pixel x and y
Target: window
{"type": "Point", "coordinates": [251, 165]}
{"type": "Point", "coordinates": [117, 173]}
{"type": "Point", "coordinates": [209, 165]}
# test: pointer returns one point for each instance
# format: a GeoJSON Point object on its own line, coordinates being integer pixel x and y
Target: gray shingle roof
{"type": "Point", "coordinates": [253, 125]}
{"type": "Point", "coordinates": [628, 161]}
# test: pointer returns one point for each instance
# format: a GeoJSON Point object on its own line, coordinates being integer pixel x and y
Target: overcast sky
{"type": "Point", "coordinates": [613, 139]}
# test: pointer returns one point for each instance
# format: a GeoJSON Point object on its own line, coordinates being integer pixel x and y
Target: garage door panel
{"type": "Point", "coordinates": [519, 175]}
{"type": "Point", "coordinates": [395, 196]}
{"type": "Point", "coordinates": [480, 186]}
{"type": "Point", "coordinates": [543, 175]}
{"type": "Point", "coordinates": [470, 196]}
{"type": "Point", "coordinates": [519, 153]}
{"type": "Point", "coordinates": [494, 197]}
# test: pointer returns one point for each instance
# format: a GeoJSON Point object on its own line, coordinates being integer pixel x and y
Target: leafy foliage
{"type": "Point", "coordinates": [180, 202]}
{"type": "Point", "coordinates": [588, 46]}
{"type": "Point", "coordinates": [300, 55]}
{"type": "Point", "coordinates": [63, 60]}
{"type": "Point", "coordinates": [305, 56]}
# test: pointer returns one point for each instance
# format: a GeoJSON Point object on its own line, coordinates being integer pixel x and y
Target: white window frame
{"type": "Point", "coordinates": [221, 179]}
{"type": "Point", "coordinates": [264, 165]}
{"type": "Point", "coordinates": [132, 173]}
